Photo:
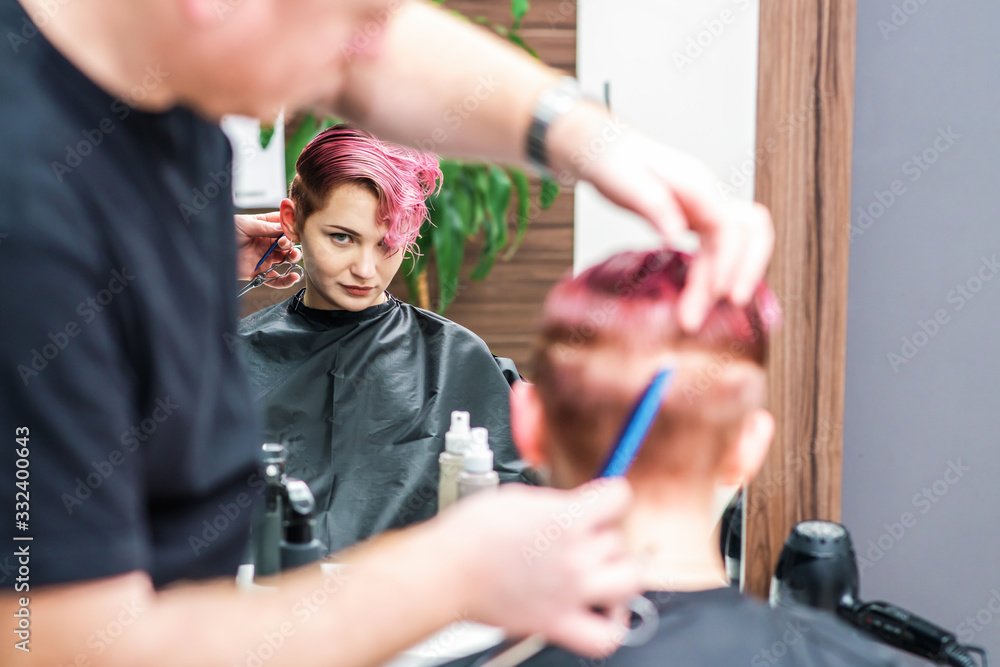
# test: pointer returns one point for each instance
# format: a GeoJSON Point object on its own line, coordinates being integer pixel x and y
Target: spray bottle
{"type": "Point", "coordinates": [456, 441]}
{"type": "Point", "coordinates": [478, 474]}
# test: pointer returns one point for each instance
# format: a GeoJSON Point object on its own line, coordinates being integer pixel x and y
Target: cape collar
{"type": "Point", "coordinates": [339, 317]}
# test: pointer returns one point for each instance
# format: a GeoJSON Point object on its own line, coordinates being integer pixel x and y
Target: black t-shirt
{"type": "Point", "coordinates": [118, 256]}
{"type": "Point", "coordinates": [721, 628]}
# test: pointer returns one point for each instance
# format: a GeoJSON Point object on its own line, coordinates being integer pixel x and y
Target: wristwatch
{"type": "Point", "coordinates": [554, 103]}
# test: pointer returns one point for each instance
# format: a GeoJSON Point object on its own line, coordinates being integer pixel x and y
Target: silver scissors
{"type": "Point", "coordinates": [262, 277]}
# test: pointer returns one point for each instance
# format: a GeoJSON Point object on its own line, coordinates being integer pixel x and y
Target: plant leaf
{"type": "Point", "coordinates": [461, 198]}
{"type": "Point", "coordinates": [498, 201]}
{"type": "Point", "coordinates": [450, 169]}
{"type": "Point", "coordinates": [518, 8]}
{"type": "Point", "coordinates": [516, 38]}
{"type": "Point", "coordinates": [550, 190]}
{"type": "Point", "coordinates": [520, 181]}
{"type": "Point", "coordinates": [479, 185]}
{"type": "Point", "coordinates": [414, 265]}
{"type": "Point", "coordinates": [449, 249]}
{"type": "Point", "coordinates": [266, 134]}
{"type": "Point", "coordinates": [307, 129]}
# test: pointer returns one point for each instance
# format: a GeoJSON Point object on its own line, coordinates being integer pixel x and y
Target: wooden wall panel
{"type": "Point", "coordinates": [804, 121]}
{"type": "Point", "coordinates": [502, 309]}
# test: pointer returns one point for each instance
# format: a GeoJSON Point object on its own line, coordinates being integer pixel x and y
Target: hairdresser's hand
{"type": "Point", "coordinates": [675, 193]}
{"type": "Point", "coordinates": [254, 235]}
{"type": "Point", "coordinates": [542, 560]}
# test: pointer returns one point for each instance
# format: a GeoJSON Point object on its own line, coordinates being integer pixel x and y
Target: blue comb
{"type": "Point", "coordinates": [267, 254]}
{"type": "Point", "coordinates": [638, 425]}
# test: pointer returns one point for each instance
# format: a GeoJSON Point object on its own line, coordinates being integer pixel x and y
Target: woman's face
{"type": "Point", "coordinates": [346, 263]}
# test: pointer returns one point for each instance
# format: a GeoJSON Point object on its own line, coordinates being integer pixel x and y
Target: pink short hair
{"type": "Point", "coordinates": [401, 179]}
{"type": "Point", "coordinates": [626, 309]}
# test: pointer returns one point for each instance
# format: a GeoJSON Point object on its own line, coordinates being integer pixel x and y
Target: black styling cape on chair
{"type": "Point", "coordinates": [362, 400]}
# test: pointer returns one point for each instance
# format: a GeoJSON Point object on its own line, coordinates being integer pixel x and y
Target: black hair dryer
{"type": "Point", "coordinates": [817, 568]}
{"type": "Point", "coordinates": [283, 533]}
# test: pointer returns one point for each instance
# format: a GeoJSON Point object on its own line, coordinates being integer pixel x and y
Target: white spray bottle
{"type": "Point", "coordinates": [478, 474]}
{"type": "Point", "coordinates": [451, 460]}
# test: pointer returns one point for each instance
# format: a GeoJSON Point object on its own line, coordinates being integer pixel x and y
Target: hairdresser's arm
{"type": "Point", "coordinates": [467, 564]}
{"type": "Point", "coordinates": [466, 92]}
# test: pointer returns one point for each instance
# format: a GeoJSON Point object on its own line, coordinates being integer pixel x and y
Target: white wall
{"type": "Point", "coordinates": [258, 173]}
{"type": "Point", "coordinates": [684, 72]}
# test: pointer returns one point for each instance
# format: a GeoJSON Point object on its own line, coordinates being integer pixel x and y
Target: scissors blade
{"type": "Point", "coordinates": [256, 282]}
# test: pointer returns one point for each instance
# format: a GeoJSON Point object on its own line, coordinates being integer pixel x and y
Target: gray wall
{"type": "Point", "coordinates": [922, 417]}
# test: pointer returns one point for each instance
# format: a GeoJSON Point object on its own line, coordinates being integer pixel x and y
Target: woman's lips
{"type": "Point", "coordinates": [357, 291]}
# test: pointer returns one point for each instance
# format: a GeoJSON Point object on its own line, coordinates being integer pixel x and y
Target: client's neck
{"type": "Point", "coordinates": [672, 533]}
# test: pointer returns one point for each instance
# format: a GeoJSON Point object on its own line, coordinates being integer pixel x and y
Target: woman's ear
{"type": "Point", "coordinates": [287, 218]}
{"type": "Point", "coordinates": [527, 423]}
{"type": "Point", "coordinates": [747, 457]}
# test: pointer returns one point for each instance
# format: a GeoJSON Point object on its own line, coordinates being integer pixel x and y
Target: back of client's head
{"type": "Point", "coordinates": [604, 335]}
{"type": "Point", "coordinates": [400, 178]}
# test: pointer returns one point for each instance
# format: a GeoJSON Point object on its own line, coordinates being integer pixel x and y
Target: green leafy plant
{"type": "Point", "coordinates": [474, 201]}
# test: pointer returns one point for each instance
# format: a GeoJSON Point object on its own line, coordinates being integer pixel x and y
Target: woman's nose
{"type": "Point", "coordinates": [364, 264]}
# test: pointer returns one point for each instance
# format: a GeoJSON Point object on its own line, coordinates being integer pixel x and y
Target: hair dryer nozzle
{"type": "Point", "coordinates": [816, 568]}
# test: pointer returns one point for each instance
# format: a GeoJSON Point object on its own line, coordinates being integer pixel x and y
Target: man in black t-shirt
{"type": "Point", "coordinates": [127, 468]}
{"type": "Point", "coordinates": [603, 336]}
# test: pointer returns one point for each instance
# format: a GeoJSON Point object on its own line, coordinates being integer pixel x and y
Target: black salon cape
{"type": "Point", "coordinates": [362, 401]}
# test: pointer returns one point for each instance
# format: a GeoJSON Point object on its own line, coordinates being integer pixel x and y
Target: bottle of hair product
{"type": "Point", "coordinates": [456, 441]}
{"type": "Point", "coordinates": [478, 474]}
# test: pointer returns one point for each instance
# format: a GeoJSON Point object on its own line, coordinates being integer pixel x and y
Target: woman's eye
{"type": "Point", "coordinates": [341, 238]}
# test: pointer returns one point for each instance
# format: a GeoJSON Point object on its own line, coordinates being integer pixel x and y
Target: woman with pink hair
{"type": "Point", "coordinates": [358, 385]}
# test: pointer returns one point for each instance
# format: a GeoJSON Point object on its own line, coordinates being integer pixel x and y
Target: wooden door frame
{"type": "Point", "coordinates": [805, 108]}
